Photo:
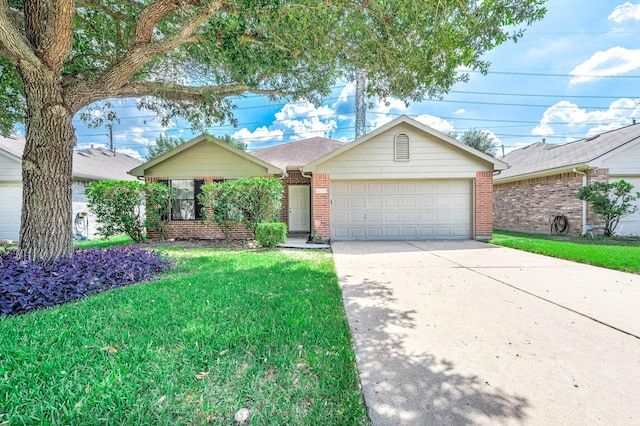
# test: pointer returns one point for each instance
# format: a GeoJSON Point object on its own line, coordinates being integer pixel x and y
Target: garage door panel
{"type": "Point", "coordinates": [358, 202]}
{"type": "Point", "coordinates": [392, 202]}
{"type": "Point", "coordinates": [375, 217]}
{"type": "Point", "coordinates": [426, 217]}
{"type": "Point", "coordinates": [409, 202]}
{"type": "Point", "coordinates": [392, 217]}
{"type": "Point", "coordinates": [392, 188]}
{"type": "Point", "coordinates": [410, 217]}
{"type": "Point", "coordinates": [375, 202]}
{"type": "Point", "coordinates": [358, 232]}
{"type": "Point", "coordinates": [375, 232]}
{"type": "Point", "coordinates": [401, 209]}
{"type": "Point", "coordinates": [409, 233]}
{"type": "Point", "coordinates": [391, 232]}
{"type": "Point", "coordinates": [425, 201]}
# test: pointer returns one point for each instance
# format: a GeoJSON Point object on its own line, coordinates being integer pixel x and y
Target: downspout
{"type": "Point", "coordinates": [584, 202]}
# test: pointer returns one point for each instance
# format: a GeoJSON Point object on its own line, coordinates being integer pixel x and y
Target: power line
{"type": "Point", "coordinates": [535, 74]}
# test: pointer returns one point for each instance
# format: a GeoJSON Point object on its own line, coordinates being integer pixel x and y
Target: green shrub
{"type": "Point", "coordinates": [270, 234]}
{"type": "Point", "coordinates": [611, 200]}
{"type": "Point", "coordinates": [250, 201]}
{"type": "Point", "coordinates": [119, 206]}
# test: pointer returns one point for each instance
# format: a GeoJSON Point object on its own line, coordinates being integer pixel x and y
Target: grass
{"type": "Point", "coordinates": [620, 253]}
{"type": "Point", "coordinates": [104, 243]}
{"type": "Point", "coordinates": [263, 330]}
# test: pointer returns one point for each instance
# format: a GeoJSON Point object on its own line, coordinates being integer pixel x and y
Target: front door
{"type": "Point", "coordinates": [299, 208]}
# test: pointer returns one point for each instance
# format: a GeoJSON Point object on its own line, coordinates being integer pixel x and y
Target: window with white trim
{"type": "Point", "coordinates": [401, 147]}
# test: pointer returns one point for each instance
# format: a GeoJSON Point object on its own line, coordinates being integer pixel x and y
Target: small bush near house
{"type": "Point", "coordinates": [611, 200]}
{"type": "Point", "coordinates": [26, 285]}
{"type": "Point", "coordinates": [271, 234]}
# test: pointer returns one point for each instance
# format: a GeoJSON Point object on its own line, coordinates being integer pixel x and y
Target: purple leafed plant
{"type": "Point", "coordinates": [26, 285]}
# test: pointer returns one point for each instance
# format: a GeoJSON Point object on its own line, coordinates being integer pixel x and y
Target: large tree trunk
{"type": "Point", "coordinates": [46, 228]}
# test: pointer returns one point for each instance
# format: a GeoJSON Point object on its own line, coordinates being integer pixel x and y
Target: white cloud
{"type": "Point", "coordinates": [625, 12]}
{"type": "Point", "coordinates": [259, 135]}
{"type": "Point", "coordinates": [615, 61]}
{"type": "Point", "coordinates": [294, 121]}
{"type": "Point", "coordinates": [461, 111]}
{"type": "Point", "coordinates": [381, 113]}
{"type": "Point", "coordinates": [437, 123]}
{"type": "Point", "coordinates": [565, 113]}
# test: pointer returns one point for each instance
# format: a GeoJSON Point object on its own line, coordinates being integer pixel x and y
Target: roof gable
{"type": "Point", "coordinates": [204, 138]}
{"type": "Point", "coordinates": [417, 126]}
{"type": "Point", "coordinates": [541, 158]}
{"type": "Point", "coordinates": [299, 153]}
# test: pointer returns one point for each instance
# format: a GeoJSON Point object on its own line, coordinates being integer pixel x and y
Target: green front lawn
{"type": "Point", "coordinates": [226, 330]}
{"type": "Point", "coordinates": [620, 253]}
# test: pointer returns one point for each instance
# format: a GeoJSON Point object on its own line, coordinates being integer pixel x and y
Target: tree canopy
{"type": "Point", "coordinates": [478, 139]}
{"type": "Point", "coordinates": [189, 58]}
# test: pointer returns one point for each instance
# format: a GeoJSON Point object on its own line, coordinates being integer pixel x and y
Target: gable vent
{"type": "Point", "coordinates": [401, 147]}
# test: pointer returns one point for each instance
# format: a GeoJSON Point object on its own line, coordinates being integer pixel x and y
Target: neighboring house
{"type": "Point", "coordinates": [402, 181]}
{"type": "Point", "coordinates": [543, 181]}
{"type": "Point", "coordinates": [88, 165]}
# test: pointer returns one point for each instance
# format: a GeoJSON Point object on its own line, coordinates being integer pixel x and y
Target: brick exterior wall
{"type": "Point", "coordinates": [528, 204]}
{"type": "Point", "coordinates": [483, 205]}
{"type": "Point", "coordinates": [321, 204]}
{"type": "Point", "coordinates": [293, 178]}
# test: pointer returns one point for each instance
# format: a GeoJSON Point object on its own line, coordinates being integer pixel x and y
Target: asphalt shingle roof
{"type": "Point", "coordinates": [299, 153]}
{"type": "Point", "coordinates": [89, 163]}
{"type": "Point", "coordinates": [541, 156]}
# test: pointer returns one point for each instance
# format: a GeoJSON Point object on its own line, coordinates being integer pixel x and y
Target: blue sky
{"type": "Point", "coordinates": [573, 74]}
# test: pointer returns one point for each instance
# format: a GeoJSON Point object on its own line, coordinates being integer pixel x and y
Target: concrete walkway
{"type": "Point", "coordinates": [450, 333]}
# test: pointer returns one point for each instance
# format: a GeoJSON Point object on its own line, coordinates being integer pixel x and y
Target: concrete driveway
{"type": "Point", "coordinates": [469, 333]}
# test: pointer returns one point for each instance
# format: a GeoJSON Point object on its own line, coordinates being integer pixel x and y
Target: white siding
{"type": "Point", "coordinates": [206, 159]}
{"type": "Point", "coordinates": [626, 162]}
{"type": "Point", "coordinates": [430, 158]}
{"type": "Point", "coordinates": [10, 208]}
{"type": "Point", "coordinates": [10, 169]}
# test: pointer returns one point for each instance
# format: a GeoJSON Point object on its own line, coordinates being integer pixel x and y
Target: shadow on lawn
{"type": "Point", "coordinates": [403, 385]}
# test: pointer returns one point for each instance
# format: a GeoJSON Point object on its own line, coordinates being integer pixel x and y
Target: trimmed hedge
{"type": "Point", "coordinates": [270, 234]}
{"type": "Point", "coordinates": [26, 285]}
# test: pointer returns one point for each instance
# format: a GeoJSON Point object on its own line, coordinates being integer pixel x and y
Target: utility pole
{"type": "Point", "coordinates": [111, 139]}
{"type": "Point", "coordinates": [361, 103]}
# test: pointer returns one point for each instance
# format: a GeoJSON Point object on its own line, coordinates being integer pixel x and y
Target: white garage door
{"type": "Point", "coordinates": [630, 225]}
{"type": "Point", "coordinates": [401, 210]}
{"type": "Point", "coordinates": [10, 207]}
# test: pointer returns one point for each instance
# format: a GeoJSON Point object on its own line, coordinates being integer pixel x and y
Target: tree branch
{"type": "Point", "coordinates": [179, 93]}
{"type": "Point", "coordinates": [149, 17]}
{"type": "Point", "coordinates": [13, 43]}
{"type": "Point", "coordinates": [141, 52]}
{"type": "Point", "coordinates": [59, 34]}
